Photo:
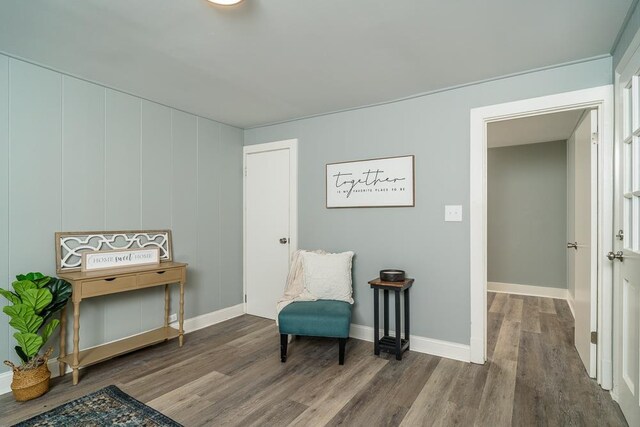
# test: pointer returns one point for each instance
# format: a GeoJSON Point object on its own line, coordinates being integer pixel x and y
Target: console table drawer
{"type": "Point", "coordinates": [92, 288]}
{"type": "Point", "coordinates": [156, 277]}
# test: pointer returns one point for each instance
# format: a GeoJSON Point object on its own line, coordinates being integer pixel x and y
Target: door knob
{"type": "Point", "coordinates": [573, 245]}
{"type": "Point", "coordinates": [618, 255]}
{"type": "Point", "coordinates": [284, 240]}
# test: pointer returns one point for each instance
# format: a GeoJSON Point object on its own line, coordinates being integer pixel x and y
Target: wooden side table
{"type": "Point", "coordinates": [387, 343]}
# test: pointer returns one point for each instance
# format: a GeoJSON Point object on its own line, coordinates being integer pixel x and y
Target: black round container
{"type": "Point", "coordinates": [392, 275]}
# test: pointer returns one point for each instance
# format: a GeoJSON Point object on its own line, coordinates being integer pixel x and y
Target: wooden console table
{"type": "Point", "coordinates": [92, 284]}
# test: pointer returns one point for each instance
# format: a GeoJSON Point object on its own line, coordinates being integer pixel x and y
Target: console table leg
{"type": "Point", "coordinates": [63, 339]}
{"type": "Point", "coordinates": [376, 323]}
{"type": "Point", "coordinates": [181, 321]}
{"type": "Point", "coordinates": [76, 340]}
{"type": "Point", "coordinates": [166, 305]}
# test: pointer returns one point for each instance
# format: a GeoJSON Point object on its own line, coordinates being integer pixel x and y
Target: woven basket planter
{"type": "Point", "coordinates": [31, 383]}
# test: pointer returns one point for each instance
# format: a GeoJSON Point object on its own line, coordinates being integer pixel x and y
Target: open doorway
{"type": "Point", "coordinates": [542, 229]}
{"type": "Point", "coordinates": [600, 99]}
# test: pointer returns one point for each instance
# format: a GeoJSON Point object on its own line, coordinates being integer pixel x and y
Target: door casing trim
{"type": "Point", "coordinates": [597, 97]}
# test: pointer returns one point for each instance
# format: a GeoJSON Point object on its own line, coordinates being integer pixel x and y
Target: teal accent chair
{"type": "Point", "coordinates": [321, 318]}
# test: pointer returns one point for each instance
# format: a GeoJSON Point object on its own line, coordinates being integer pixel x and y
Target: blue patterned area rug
{"type": "Point", "coordinates": [107, 407]}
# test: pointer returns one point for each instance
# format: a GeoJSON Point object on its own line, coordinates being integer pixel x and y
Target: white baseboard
{"type": "Point", "coordinates": [190, 325]}
{"type": "Point", "coordinates": [570, 302]}
{"type": "Point", "coordinates": [534, 291]}
{"type": "Point", "coordinates": [209, 319]}
{"type": "Point", "coordinates": [447, 349]}
{"type": "Point", "coordinates": [614, 394]}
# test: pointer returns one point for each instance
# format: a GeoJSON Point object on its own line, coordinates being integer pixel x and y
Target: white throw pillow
{"type": "Point", "coordinates": [328, 276]}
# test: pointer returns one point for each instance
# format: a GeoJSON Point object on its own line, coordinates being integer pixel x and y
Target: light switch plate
{"type": "Point", "coordinates": [453, 213]}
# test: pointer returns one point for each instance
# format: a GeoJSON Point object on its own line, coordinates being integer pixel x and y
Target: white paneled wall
{"type": "Point", "coordinates": [155, 203]}
{"type": "Point", "coordinates": [4, 194]}
{"type": "Point", "coordinates": [75, 155]}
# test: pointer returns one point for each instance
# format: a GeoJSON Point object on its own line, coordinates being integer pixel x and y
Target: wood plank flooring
{"type": "Point", "coordinates": [230, 374]}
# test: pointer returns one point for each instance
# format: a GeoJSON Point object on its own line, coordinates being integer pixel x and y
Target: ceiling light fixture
{"type": "Point", "coordinates": [225, 2]}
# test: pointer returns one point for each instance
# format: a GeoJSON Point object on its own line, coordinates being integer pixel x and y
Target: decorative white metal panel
{"type": "Point", "coordinates": [71, 245]}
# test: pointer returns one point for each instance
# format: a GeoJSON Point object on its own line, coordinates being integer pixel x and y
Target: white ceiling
{"type": "Point", "coordinates": [265, 61]}
{"type": "Point", "coordinates": [530, 130]}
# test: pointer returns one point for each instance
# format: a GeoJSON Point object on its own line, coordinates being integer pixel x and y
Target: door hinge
{"type": "Point", "coordinates": [245, 171]}
{"type": "Point", "coordinates": [594, 337]}
{"type": "Point", "coordinates": [245, 297]}
{"type": "Point", "coordinates": [594, 137]}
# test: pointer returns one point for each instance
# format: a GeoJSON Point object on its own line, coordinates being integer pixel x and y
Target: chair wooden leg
{"type": "Point", "coordinates": [342, 342]}
{"type": "Point", "coordinates": [283, 347]}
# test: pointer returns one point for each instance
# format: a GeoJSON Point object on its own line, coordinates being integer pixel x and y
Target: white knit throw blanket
{"type": "Point", "coordinates": [294, 289]}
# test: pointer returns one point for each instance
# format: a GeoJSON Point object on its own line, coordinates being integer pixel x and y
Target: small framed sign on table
{"type": "Point", "coordinates": [387, 182]}
{"type": "Point", "coordinates": [101, 260]}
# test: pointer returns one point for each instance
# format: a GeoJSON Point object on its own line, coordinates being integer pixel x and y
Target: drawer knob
{"type": "Point", "coordinates": [110, 279]}
{"type": "Point", "coordinates": [160, 272]}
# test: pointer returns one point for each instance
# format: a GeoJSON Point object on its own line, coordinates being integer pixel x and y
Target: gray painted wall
{"type": "Point", "coordinates": [628, 33]}
{"type": "Point", "coordinates": [436, 129]}
{"type": "Point", "coordinates": [78, 156]}
{"type": "Point", "coordinates": [527, 214]}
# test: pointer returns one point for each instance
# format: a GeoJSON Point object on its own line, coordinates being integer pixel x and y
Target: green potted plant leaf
{"type": "Point", "coordinates": [33, 302]}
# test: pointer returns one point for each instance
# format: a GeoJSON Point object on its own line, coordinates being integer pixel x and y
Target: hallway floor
{"type": "Point", "coordinates": [530, 340]}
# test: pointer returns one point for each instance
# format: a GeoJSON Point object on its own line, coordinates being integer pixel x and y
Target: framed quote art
{"type": "Point", "coordinates": [386, 182]}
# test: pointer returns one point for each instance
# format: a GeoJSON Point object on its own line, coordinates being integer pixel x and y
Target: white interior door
{"type": "Point", "coordinates": [627, 268]}
{"type": "Point", "coordinates": [267, 228]}
{"type": "Point", "coordinates": [582, 227]}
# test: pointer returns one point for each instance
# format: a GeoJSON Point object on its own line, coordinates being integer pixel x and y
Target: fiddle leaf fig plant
{"type": "Point", "coordinates": [34, 300]}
